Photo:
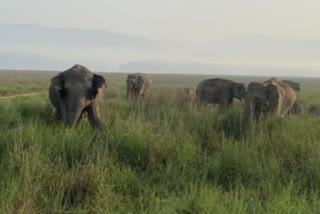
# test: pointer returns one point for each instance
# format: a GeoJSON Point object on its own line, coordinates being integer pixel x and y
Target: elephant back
{"type": "Point", "coordinates": [209, 85]}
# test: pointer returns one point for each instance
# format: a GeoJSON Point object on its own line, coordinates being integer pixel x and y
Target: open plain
{"type": "Point", "coordinates": [156, 156]}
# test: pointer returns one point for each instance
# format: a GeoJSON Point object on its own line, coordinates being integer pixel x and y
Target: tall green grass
{"type": "Point", "coordinates": [158, 157]}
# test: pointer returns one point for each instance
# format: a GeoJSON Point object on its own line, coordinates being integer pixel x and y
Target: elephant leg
{"type": "Point", "coordinates": [198, 103]}
{"type": "Point", "coordinates": [136, 97]}
{"type": "Point", "coordinates": [58, 114]}
{"type": "Point", "coordinates": [224, 104]}
{"type": "Point", "coordinates": [202, 101]}
{"type": "Point", "coordinates": [82, 115]}
{"type": "Point", "coordinates": [229, 102]}
{"type": "Point", "coordinates": [94, 115]}
{"type": "Point", "coordinates": [128, 94]}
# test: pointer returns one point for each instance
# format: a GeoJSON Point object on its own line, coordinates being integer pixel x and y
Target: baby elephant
{"type": "Point", "coordinates": [74, 93]}
{"type": "Point", "coordinates": [186, 96]}
{"type": "Point", "coordinates": [138, 85]}
{"type": "Point", "coordinates": [219, 91]}
{"type": "Point", "coordinates": [296, 108]}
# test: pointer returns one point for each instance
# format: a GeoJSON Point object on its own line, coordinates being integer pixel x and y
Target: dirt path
{"type": "Point", "coordinates": [21, 95]}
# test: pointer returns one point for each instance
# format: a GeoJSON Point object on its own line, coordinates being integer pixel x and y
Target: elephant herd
{"type": "Point", "coordinates": [76, 93]}
{"type": "Point", "coordinates": [261, 98]}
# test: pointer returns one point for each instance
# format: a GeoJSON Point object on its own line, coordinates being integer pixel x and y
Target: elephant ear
{"type": "Point", "coordinates": [272, 95]}
{"type": "Point", "coordinates": [58, 81]}
{"type": "Point", "coordinates": [239, 91]}
{"type": "Point", "coordinates": [97, 82]}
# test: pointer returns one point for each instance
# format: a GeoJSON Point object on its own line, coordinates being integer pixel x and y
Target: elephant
{"type": "Point", "coordinates": [138, 85]}
{"type": "Point", "coordinates": [186, 96]}
{"type": "Point", "coordinates": [294, 85]}
{"type": "Point", "coordinates": [75, 93]}
{"type": "Point", "coordinates": [296, 108]}
{"type": "Point", "coordinates": [269, 97]}
{"type": "Point", "coordinates": [219, 91]}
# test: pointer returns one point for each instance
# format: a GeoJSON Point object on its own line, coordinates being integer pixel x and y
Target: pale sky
{"type": "Point", "coordinates": [181, 20]}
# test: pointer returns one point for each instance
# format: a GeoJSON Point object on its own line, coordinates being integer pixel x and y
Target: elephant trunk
{"type": "Point", "coordinates": [129, 87]}
{"type": "Point", "coordinates": [248, 113]}
{"type": "Point", "coordinates": [74, 111]}
{"type": "Point", "coordinates": [71, 119]}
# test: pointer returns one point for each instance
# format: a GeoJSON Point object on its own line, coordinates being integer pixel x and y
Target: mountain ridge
{"type": "Point", "coordinates": [102, 49]}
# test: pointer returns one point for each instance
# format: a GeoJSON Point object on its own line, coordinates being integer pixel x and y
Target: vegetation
{"type": "Point", "coordinates": [158, 156]}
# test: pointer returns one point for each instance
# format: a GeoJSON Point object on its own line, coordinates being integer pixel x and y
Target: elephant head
{"type": "Point", "coordinates": [259, 99]}
{"type": "Point", "coordinates": [239, 91]}
{"type": "Point", "coordinates": [76, 88]}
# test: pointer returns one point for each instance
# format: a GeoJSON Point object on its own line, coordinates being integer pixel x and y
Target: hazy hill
{"type": "Point", "coordinates": [35, 35]}
{"type": "Point", "coordinates": [198, 68]}
{"type": "Point", "coordinates": [39, 47]}
{"type": "Point", "coordinates": [40, 36]}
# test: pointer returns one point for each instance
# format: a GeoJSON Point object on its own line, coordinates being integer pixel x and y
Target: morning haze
{"type": "Point", "coordinates": [181, 36]}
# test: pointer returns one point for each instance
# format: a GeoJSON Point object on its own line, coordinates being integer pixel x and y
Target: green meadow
{"type": "Point", "coordinates": [156, 156]}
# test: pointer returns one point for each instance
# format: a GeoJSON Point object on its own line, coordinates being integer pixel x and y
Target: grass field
{"type": "Point", "coordinates": [155, 157]}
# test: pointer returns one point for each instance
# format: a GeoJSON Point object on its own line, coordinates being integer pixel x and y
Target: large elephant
{"type": "Point", "coordinates": [294, 85]}
{"type": "Point", "coordinates": [74, 93]}
{"type": "Point", "coordinates": [219, 91]}
{"type": "Point", "coordinates": [272, 96]}
{"type": "Point", "coordinates": [138, 85]}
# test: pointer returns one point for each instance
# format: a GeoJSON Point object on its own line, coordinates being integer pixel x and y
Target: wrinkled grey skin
{"type": "Point", "coordinates": [75, 93]}
{"type": "Point", "coordinates": [138, 85]}
{"type": "Point", "coordinates": [257, 99]}
{"type": "Point", "coordinates": [219, 91]}
{"type": "Point", "coordinates": [294, 85]}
